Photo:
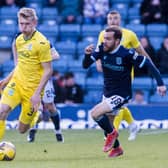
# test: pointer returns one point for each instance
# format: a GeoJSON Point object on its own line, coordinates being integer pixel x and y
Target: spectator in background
{"type": "Point", "coordinates": [59, 87]}
{"type": "Point", "coordinates": [12, 3]}
{"type": "Point", "coordinates": [151, 11]}
{"type": "Point", "coordinates": [145, 42]}
{"type": "Point", "coordinates": [53, 3]}
{"type": "Point", "coordinates": [138, 98]}
{"type": "Point", "coordinates": [95, 11]}
{"type": "Point", "coordinates": [162, 56]}
{"type": "Point", "coordinates": [71, 10]}
{"type": "Point", "coordinates": [74, 92]}
{"type": "Point", "coordinates": [164, 6]}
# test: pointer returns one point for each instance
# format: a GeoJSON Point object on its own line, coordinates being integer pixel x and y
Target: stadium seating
{"type": "Point", "coordinates": [69, 32]}
{"type": "Point", "coordinates": [158, 30]}
{"type": "Point", "coordinates": [156, 41]}
{"type": "Point", "coordinates": [49, 13]}
{"type": "Point", "coordinates": [5, 42]}
{"type": "Point", "coordinates": [139, 29]}
{"type": "Point", "coordinates": [8, 13]}
{"type": "Point", "coordinates": [66, 48]}
{"type": "Point", "coordinates": [49, 30]}
{"type": "Point", "coordinates": [90, 30]}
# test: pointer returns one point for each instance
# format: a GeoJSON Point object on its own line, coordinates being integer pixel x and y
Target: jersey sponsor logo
{"type": "Point", "coordinates": [118, 60]}
{"type": "Point", "coordinates": [42, 43]}
{"type": "Point", "coordinates": [114, 67]}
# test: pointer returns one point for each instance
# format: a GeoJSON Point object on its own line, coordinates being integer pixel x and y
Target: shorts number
{"type": "Point", "coordinates": [116, 100]}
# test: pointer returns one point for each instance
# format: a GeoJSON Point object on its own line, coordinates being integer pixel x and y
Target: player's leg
{"type": "Point", "coordinates": [34, 124]}
{"type": "Point", "coordinates": [133, 127]}
{"type": "Point", "coordinates": [55, 117]}
{"type": "Point", "coordinates": [48, 100]}
{"type": "Point", "coordinates": [9, 100]}
{"type": "Point", "coordinates": [27, 114]}
{"type": "Point", "coordinates": [98, 114]}
{"type": "Point", "coordinates": [4, 111]}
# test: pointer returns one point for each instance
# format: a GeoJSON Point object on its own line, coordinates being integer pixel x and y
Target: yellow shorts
{"type": "Point", "coordinates": [15, 94]}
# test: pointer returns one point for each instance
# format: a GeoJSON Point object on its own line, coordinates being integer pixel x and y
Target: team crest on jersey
{"type": "Point", "coordinates": [105, 57]}
{"type": "Point", "coordinates": [118, 60]}
{"type": "Point", "coordinates": [29, 47]}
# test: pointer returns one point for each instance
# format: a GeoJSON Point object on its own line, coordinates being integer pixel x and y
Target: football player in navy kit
{"type": "Point", "coordinates": [117, 63]}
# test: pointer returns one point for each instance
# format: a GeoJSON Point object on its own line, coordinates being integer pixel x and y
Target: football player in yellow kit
{"type": "Point", "coordinates": [129, 40]}
{"type": "Point", "coordinates": [26, 82]}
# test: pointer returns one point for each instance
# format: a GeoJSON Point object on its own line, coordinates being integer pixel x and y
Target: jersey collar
{"type": "Point", "coordinates": [115, 50]}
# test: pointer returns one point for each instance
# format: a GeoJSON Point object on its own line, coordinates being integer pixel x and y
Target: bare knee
{"type": "Point", "coordinates": [22, 128]}
{"type": "Point", "coordinates": [94, 114]}
{"type": "Point", "coordinates": [4, 111]}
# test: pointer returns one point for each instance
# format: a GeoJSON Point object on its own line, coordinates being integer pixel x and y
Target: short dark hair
{"type": "Point", "coordinates": [69, 75]}
{"type": "Point", "coordinates": [117, 31]}
{"type": "Point", "coordinates": [114, 12]}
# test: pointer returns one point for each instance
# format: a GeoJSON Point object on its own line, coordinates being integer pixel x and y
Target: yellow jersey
{"type": "Point", "coordinates": [31, 53]}
{"type": "Point", "coordinates": [129, 38]}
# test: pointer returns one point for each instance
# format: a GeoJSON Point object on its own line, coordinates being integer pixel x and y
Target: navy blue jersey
{"type": "Point", "coordinates": [117, 67]}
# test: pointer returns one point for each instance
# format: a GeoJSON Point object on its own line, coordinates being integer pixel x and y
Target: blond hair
{"type": "Point", "coordinates": [27, 13]}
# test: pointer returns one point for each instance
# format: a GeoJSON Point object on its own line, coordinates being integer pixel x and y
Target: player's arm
{"type": "Point", "coordinates": [36, 98]}
{"type": "Point", "coordinates": [98, 62]}
{"type": "Point", "coordinates": [88, 60]}
{"type": "Point", "coordinates": [142, 61]}
{"type": "Point", "coordinates": [5, 81]}
{"type": "Point", "coordinates": [14, 51]}
{"type": "Point", "coordinates": [54, 53]}
{"type": "Point", "coordinates": [141, 51]}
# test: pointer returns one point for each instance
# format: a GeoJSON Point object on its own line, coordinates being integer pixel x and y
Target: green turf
{"type": "Point", "coordinates": [83, 149]}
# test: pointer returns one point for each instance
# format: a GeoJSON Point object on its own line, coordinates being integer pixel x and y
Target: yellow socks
{"type": "Point", "coordinates": [35, 119]}
{"type": "Point", "coordinates": [127, 116]}
{"type": "Point", "coordinates": [118, 118]}
{"type": "Point", "coordinates": [124, 114]}
{"type": "Point", "coordinates": [2, 129]}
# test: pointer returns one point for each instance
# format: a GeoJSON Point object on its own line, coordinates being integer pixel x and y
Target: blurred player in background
{"type": "Point", "coordinates": [117, 63]}
{"type": "Point", "coordinates": [33, 69]}
{"type": "Point", "coordinates": [48, 105]}
{"type": "Point", "coordinates": [129, 40]}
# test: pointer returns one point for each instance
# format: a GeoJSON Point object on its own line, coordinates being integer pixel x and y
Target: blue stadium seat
{"type": "Point", "coordinates": [5, 42]}
{"type": "Point", "coordinates": [49, 30]}
{"type": "Point", "coordinates": [93, 96]}
{"type": "Point", "coordinates": [139, 29]}
{"type": "Point", "coordinates": [66, 47]}
{"type": "Point", "coordinates": [49, 13]}
{"type": "Point", "coordinates": [60, 65]}
{"type": "Point", "coordinates": [159, 30]}
{"type": "Point", "coordinates": [81, 47]}
{"type": "Point", "coordinates": [69, 32]}
{"type": "Point", "coordinates": [120, 1]}
{"type": "Point", "coordinates": [156, 42]}
{"type": "Point", "coordinates": [76, 66]}
{"type": "Point", "coordinates": [8, 30]}
{"type": "Point", "coordinates": [90, 30]}
{"type": "Point", "coordinates": [8, 66]}
{"type": "Point", "coordinates": [8, 13]}
{"type": "Point", "coordinates": [133, 13]}
{"type": "Point", "coordinates": [156, 98]}
{"type": "Point", "coordinates": [142, 83]}
{"type": "Point", "coordinates": [122, 8]}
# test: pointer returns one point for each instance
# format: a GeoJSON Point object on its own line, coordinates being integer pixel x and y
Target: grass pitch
{"type": "Point", "coordinates": [83, 149]}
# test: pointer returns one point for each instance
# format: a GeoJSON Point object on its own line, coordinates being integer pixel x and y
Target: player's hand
{"type": "Point", "coordinates": [162, 90]}
{"type": "Point", "coordinates": [2, 85]}
{"type": "Point", "coordinates": [35, 100]}
{"type": "Point", "coordinates": [99, 66]}
{"type": "Point", "coordinates": [89, 49]}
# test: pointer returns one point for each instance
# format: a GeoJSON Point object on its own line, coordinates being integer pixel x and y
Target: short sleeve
{"type": "Point", "coordinates": [45, 52]}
